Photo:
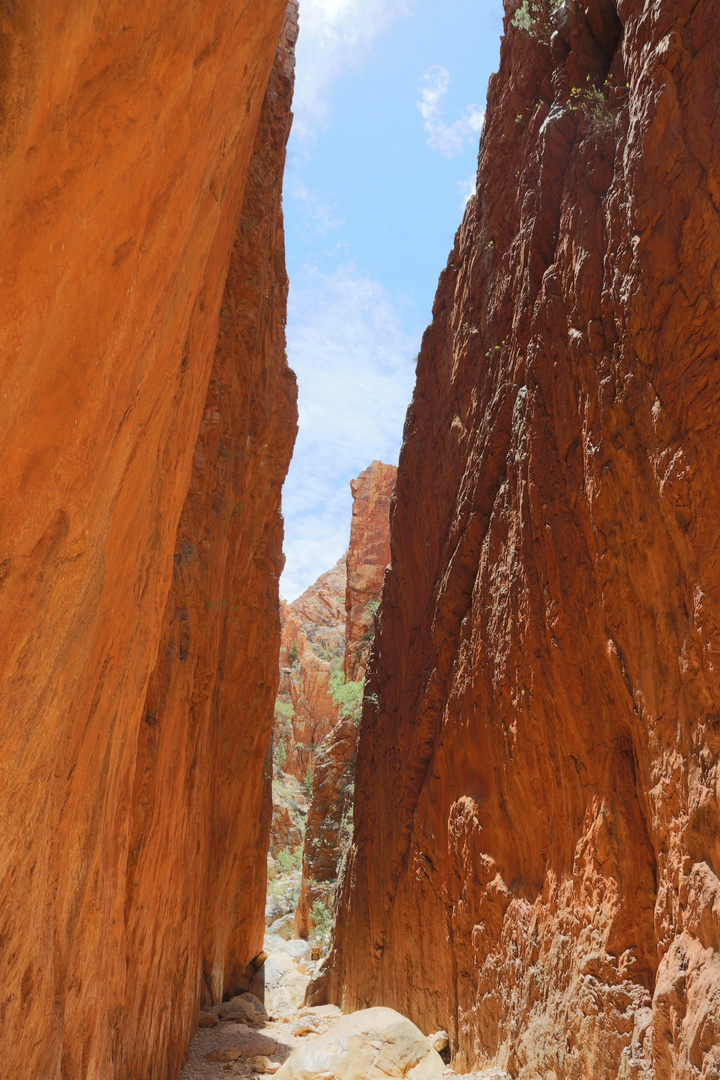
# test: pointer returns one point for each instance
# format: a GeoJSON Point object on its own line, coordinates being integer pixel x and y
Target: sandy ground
{"type": "Point", "coordinates": [226, 1036]}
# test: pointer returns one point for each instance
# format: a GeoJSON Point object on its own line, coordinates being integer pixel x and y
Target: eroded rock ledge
{"type": "Point", "coordinates": [536, 855]}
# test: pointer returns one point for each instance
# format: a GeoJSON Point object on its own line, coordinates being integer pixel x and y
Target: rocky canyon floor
{"type": "Point", "coordinates": [241, 1044]}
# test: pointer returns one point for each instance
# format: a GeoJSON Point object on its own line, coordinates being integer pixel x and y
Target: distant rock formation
{"type": "Point", "coordinates": [333, 620]}
{"type": "Point", "coordinates": [368, 556]}
{"type": "Point", "coordinates": [320, 611]}
{"type": "Point", "coordinates": [312, 635]}
{"type": "Point", "coordinates": [289, 811]}
{"type": "Point", "coordinates": [316, 617]}
{"type": "Point", "coordinates": [536, 859]}
{"type": "Point", "coordinates": [329, 821]}
{"type": "Point", "coordinates": [144, 451]}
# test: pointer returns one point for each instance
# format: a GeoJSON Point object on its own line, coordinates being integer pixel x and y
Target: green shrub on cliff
{"type": "Point", "coordinates": [321, 921]}
{"type": "Point", "coordinates": [590, 100]}
{"type": "Point", "coordinates": [279, 754]}
{"type": "Point", "coordinates": [348, 696]}
{"type": "Point", "coordinates": [535, 18]}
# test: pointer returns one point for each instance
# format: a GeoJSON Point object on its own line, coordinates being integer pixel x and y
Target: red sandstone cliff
{"type": "Point", "coordinates": [536, 859]}
{"type": "Point", "coordinates": [368, 556]}
{"type": "Point", "coordinates": [134, 813]}
{"type": "Point", "coordinates": [329, 821]}
{"type": "Point", "coordinates": [320, 611]}
{"type": "Point", "coordinates": [312, 635]}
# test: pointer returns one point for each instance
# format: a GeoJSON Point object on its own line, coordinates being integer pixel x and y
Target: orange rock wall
{"type": "Point", "coordinates": [329, 821]}
{"type": "Point", "coordinates": [367, 557]}
{"type": "Point", "coordinates": [317, 618]}
{"type": "Point", "coordinates": [127, 139]}
{"type": "Point", "coordinates": [536, 863]}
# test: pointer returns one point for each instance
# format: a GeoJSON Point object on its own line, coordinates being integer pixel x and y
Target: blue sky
{"type": "Point", "coordinates": [389, 101]}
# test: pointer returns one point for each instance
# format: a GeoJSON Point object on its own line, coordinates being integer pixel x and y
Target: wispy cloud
{"type": "Point", "coordinates": [314, 213]}
{"type": "Point", "coordinates": [355, 372]}
{"type": "Point", "coordinates": [335, 36]}
{"type": "Point", "coordinates": [467, 188]}
{"type": "Point", "coordinates": [449, 139]}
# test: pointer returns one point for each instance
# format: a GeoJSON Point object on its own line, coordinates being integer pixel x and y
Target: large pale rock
{"type": "Point", "coordinates": [284, 984]}
{"type": "Point", "coordinates": [372, 1044]}
{"type": "Point", "coordinates": [536, 863]}
{"type": "Point", "coordinates": [147, 419]}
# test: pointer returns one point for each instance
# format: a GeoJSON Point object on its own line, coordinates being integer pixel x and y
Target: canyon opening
{"type": "Point", "coordinates": [399, 757]}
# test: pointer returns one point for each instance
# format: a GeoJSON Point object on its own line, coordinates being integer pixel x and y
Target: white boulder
{"type": "Point", "coordinates": [373, 1044]}
{"type": "Point", "coordinates": [285, 985]}
{"type": "Point", "coordinates": [284, 927]}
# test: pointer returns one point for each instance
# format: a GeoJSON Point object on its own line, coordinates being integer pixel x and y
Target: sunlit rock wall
{"type": "Point", "coordinates": [128, 132]}
{"type": "Point", "coordinates": [537, 854]}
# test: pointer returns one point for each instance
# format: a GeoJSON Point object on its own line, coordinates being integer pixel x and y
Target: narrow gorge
{"type": "Point", "coordinates": [471, 774]}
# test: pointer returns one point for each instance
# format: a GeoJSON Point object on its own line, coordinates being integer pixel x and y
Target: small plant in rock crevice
{"type": "Point", "coordinates": [591, 101]}
{"type": "Point", "coordinates": [535, 18]}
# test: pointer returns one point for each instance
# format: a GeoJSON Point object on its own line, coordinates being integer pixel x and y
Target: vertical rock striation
{"type": "Point", "coordinates": [134, 813]}
{"type": "Point", "coordinates": [202, 801]}
{"type": "Point", "coordinates": [367, 557]}
{"type": "Point", "coordinates": [536, 862]}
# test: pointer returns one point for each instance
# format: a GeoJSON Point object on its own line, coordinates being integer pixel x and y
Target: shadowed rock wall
{"type": "Point", "coordinates": [127, 137]}
{"type": "Point", "coordinates": [537, 857]}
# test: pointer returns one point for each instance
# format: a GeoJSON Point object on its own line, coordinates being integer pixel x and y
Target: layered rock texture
{"type": "Point", "coordinates": [141, 173]}
{"type": "Point", "coordinates": [367, 557]}
{"type": "Point", "coordinates": [319, 613]}
{"type": "Point", "coordinates": [312, 635]}
{"type": "Point", "coordinates": [329, 821]}
{"type": "Point", "coordinates": [536, 858]}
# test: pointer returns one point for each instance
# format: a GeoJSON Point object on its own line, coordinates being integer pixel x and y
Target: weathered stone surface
{"type": "Point", "coordinates": [315, 712]}
{"type": "Point", "coordinates": [287, 814]}
{"type": "Point", "coordinates": [134, 819]}
{"type": "Point", "coordinates": [320, 611]}
{"type": "Point", "coordinates": [373, 1044]}
{"type": "Point", "coordinates": [329, 821]}
{"type": "Point", "coordinates": [313, 633]}
{"type": "Point", "coordinates": [283, 984]}
{"type": "Point", "coordinates": [536, 856]}
{"type": "Point", "coordinates": [243, 1007]}
{"type": "Point", "coordinates": [368, 556]}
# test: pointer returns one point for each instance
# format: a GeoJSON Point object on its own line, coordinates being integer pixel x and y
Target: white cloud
{"type": "Point", "coordinates": [335, 36]}
{"type": "Point", "coordinates": [467, 188]}
{"type": "Point", "coordinates": [355, 373]}
{"type": "Point", "coordinates": [449, 139]}
{"type": "Point", "coordinates": [315, 214]}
